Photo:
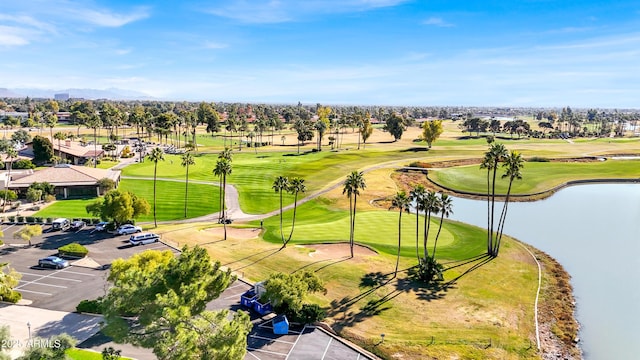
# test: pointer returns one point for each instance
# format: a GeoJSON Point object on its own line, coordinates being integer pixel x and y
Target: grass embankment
{"type": "Point", "coordinates": [487, 313]}
{"type": "Point", "coordinates": [81, 354]}
{"type": "Point", "coordinates": [169, 206]}
{"type": "Point", "coordinates": [537, 176]}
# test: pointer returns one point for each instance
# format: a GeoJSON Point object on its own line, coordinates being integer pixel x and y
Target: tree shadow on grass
{"type": "Point", "coordinates": [255, 258]}
{"type": "Point", "coordinates": [332, 262]}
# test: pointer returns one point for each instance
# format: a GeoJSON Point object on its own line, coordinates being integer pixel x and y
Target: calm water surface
{"type": "Point", "coordinates": [593, 231]}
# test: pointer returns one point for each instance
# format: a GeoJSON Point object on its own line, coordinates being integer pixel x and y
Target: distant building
{"type": "Point", "coordinates": [61, 97]}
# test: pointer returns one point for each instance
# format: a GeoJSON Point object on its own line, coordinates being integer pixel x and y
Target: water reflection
{"type": "Point", "coordinates": [592, 230]}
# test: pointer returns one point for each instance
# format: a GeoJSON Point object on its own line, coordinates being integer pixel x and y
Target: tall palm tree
{"type": "Point", "coordinates": [187, 159]}
{"type": "Point", "coordinates": [417, 195]}
{"type": "Point", "coordinates": [445, 206]}
{"type": "Point", "coordinates": [296, 186]}
{"type": "Point", "coordinates": [352, 186]}
{"type": "Point", "coordinates": [156, 155]}
{"type": "Point", "coordinates": [496, 154]}
{"type": "Point", "coordinates": [224, 154]}
{"type": "Point", "coordinates": [402, 203]}
{"type": "Point", "coordinates": [11, 154]}
{"type": "Point", "coordinates": [222, 169]}
{"type": "Point", "coordinates": [513, 165]}
{"type": "Point", "coordinates": [430, 207]}
{"type": "Point", "coordinates": [281, 184]}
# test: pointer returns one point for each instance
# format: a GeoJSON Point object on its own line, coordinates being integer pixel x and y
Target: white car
{"type": "Point", "coordinates": [143, 239]}
{"type": "Point", "coordinates": [127, 229]}
{"type": "Point", "coordinates": [102, 226]}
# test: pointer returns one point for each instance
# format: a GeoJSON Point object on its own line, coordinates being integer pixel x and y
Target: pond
{"type": "Point", "coordinates": [593, 231]}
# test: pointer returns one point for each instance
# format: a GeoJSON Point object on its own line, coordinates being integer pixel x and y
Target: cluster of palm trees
{"type": "Point", "coordinates": [512, 163]}
{"type": "Point", "coordinates": [293, 186]}
{"type": "Point", "coordinates": [430, 204]}
{"type": "Point", "coordinates": [222, 170]}
{"type": "Point", "coordinates": [352, 186]}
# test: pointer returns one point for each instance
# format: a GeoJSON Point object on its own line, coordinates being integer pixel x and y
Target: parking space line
{"type": "Point", "coordinates": [250, 353]}
{"type": "Point", "coordinates": [235, 286]}
{"type": "Point", "coordinates": [37, 283]}
{"type": "Point", "coordinates": [8, 227]}
{"type": "Point", "coordinates": [294, 344]}
{"type": "Point", "coordinates": [52, 277]}
{"type": "Point", "coordinates": [35, 292]}
{"type": "Point", "coordinates": [46, 276]}
{"type": "Point", "coordinates": [265, 326]}
{"type": "Point", "coordinates": [327, 348]}
{"type": "Point", "coordinates": [267, 351]}
{"type": "Point", "coordinates": [231, 296]}
{"type": "Point", "coordinates": [358, 358]}
{"type": "Point", "coordinates": [78, 273]}
{"type": "Point", "coordinates": [270, 339]}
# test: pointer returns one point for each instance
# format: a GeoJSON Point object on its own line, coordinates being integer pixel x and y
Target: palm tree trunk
{"type": "Point", "coordinates": [284, 244]}
{"type": "Point", "coordinates": [503, 217]}
{"type": "Point", "coordinates": [435, 243]}
{"type": "Point", "coordinates": [155, 222]}
{"type": "Point", "coordinates": [493, 205]}
{"type": "Point", "coordinates": [417, 231]}
{"type": "Point", "coordinates": [351, 221]}
{"type": "Point", "coordinates": [186, 192]}
{"type": "Point", "coordinates": [488, 214]}
{"type": "Point", "coordinates": [224, 216]}
{"type": "Point", "coordinates": [353, 225]}
{"type": "Point", "coordinates": [293, 222]}
{"type": "Point", "coordinates": [427, 226]}
{"type": "Point", "coordinates": [395, 273]}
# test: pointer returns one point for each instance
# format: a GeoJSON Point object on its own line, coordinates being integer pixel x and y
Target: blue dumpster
{"type": "Point", "coordinates": [261, 308]}
{"type": "Point", "coordinates": [280, 325]}
{"type": "Point", "coordinates": [248, 298]}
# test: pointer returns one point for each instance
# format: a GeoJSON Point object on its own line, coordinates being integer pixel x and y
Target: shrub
{"type": "Point", "coordinates": [24, 164]}
{"type": "Point", "coordinates": [39, 219]}
{"type": "Point", "coordinates": [29, 219]}
{"type": "Point", "coordinates": [90, 306]}
{"type": "Point", "coordinates": [1, 242]}
{"type": "Point", "coordinates": [49, 220]}
{"type": "Point", "coordinates": [11, 219]}
{"type": "Point", "coordinates": [309, 314]}
{"type": "Point", "coordinates": [12, 296]}
{"type": "Point", "coordinates": [49, 198]}
{"type": "Point", "coordinates": [73, 249]}
{"type": "Point", "coordinates": [537, 159]}
{"type": "Point", "coordinates": [419, 164]}
{"type": "Point", "coordinates": [429, 270]}
{"type": "Point", "coordinates": [20, 219]}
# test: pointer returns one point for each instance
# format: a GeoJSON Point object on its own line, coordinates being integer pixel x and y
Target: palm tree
{"type": "Point", "coordinates": [222, 169]}
{"type": "Point", "coordinates": [402, 203]}
{"type": "Point", "coordinates": [156, 155]}
{"type": "Point", "coordinates": [11, 154]}
{"type": "Point", "coordinates": [417, 195]}
{"type": "Point", "coordinates": [187, 159]}
{"type": "Point", "coordinates": [59, 136]}
{"type": "Point", "coordinates": [296, 186]}
{"type": "Point", "coordinates": [513, 165]}
{"type": "Point", "coordinates": [445, 206]}
{"type": "Point", "coordinates": [224, 154]}
{"type": "Point", "coordinates": [352, 186]}
{"type": "Point", "coordinates": [281, 184]}
{"type": "Point", "coordinates": [495, 154]}
{"type": "Point", "coordinates": [94, 123]}
{"type": "Point", "coordinates": [430, 206]}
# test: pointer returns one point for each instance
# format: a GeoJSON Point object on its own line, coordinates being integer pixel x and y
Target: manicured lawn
{"type": "Point", "coordinates": [253, 174]}
{"type": "Point", "coordinates": [536, 176]}
{"type": "Point", "coordinates": [203, 200]}
{"type": "Point", "coordinates": [494, 301]}
{"type": "Point", "coordinates": [81, 354]}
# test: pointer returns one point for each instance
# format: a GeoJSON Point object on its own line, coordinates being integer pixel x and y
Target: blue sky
{"type": "Point", "coordinates": [366, 52]}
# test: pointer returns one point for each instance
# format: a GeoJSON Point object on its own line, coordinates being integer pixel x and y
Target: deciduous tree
{"type": "Point", "coordinates": [431, 131]}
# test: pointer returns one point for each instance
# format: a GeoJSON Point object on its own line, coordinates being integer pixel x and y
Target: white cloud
{"type": "Point", "coordinates": [10, 36]}
{"type": "Point", "coordinates": [436, 21]}
{"type": "Point", "coordinates": [277, 11]}
{"type": "Point", "coordinates": [107, 18]}
{"type": "Point", "coordinates": [123, 51]}
{"type": "Point", "coordinates": [214, 45]}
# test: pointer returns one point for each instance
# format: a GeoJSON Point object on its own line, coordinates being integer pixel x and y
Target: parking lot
{"type": "Point", "coordinates": [63, 289]}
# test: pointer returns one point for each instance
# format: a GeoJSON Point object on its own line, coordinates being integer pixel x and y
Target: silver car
{"type": "Point", "coordinates": [54, 262]}
{"type": "Point", "coordinates": [127, 229]}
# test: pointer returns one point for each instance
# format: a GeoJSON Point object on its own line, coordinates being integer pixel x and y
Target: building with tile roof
{"type": "Point", "coordinates": [69, 180]}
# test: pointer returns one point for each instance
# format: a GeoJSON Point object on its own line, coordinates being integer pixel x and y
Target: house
{"type": "Point", "coordinates": [69, 180]}
{"type": "Point", "coordinates": [70, 151]}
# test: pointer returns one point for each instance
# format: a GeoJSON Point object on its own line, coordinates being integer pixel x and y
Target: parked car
{"type": "Point", "coordinates": [77, 225]}
{"type": "Point", "coordinates": [101, 226]}
{"type": "Point", "coordinates": [225, 221]}
{"type": "Point", "coordinates": [61, 224]}
{"type": "Point", "coordinates": [53, 261]}
{"type": "Point", "coordinates": [144, 238]}
{"type": "Point", "coordinates": [127, 229]}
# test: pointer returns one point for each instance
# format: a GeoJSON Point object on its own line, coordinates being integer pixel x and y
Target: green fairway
{"type": "Point", "coordinates": [536, 176]}
{"type": "Point", "coordinates": [377, 229]}
{"type": "Point", "coordinates": [203, 200]}
{"type": "Point", "coordinates": [253, 174]}
{"type": "Point", "coordinates": [82, 354]}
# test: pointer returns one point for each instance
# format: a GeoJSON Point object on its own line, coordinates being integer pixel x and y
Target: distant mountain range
{"type": "Point", "coordinates": [89, 94]}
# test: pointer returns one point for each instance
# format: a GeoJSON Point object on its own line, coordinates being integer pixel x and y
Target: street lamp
{"type": "Point", "coordinates": [29, 328]}
{"type": "Point", "coordinates": [381, 338]}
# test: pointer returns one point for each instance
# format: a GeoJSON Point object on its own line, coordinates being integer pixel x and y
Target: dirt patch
{"type": "Point", "coordinates": [235, 233]}
{"type": "Point", "coordinates": [335, 251]}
